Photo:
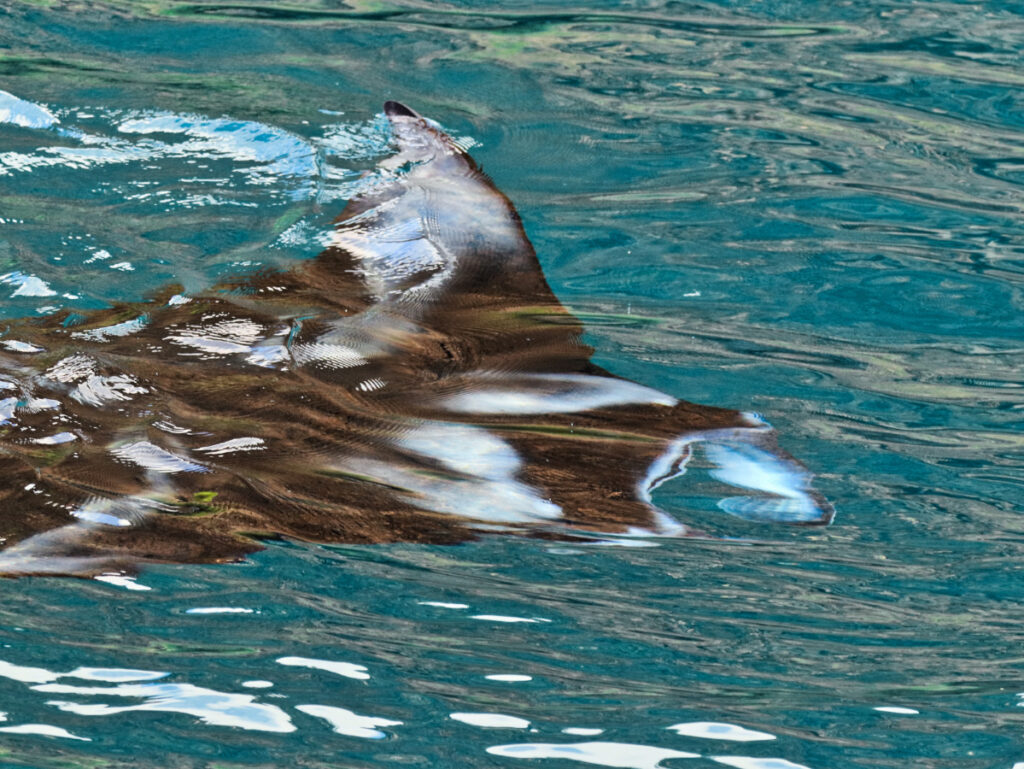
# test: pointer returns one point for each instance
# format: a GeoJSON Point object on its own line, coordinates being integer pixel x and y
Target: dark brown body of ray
{"type": "Point", "coordinates": [418, 381]}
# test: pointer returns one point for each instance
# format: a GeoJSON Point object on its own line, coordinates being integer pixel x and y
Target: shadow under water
{"type": "Point", "coordinates": [418, 381]}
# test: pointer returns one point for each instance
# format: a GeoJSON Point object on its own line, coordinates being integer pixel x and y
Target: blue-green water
{"type": "Point", "coordinates": [812, 212]}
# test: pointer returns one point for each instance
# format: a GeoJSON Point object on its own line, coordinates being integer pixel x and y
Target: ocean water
{"type": "Point", "coordinates": [809, 211]}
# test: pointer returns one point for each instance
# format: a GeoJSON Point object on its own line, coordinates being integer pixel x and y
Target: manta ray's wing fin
{"type": "Point", "coordinates": [420, 139]}
{"type": "Point", "coordinates": [776, 487]}
{"type": "Point", "coordinates": [782, 486]}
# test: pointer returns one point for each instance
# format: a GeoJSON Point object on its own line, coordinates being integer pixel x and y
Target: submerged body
{"type": "Point", "coordinates": [418, 381]}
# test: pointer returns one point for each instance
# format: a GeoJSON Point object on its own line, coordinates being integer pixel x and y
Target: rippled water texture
{"type": "Point", "coordinates": [806, 211]}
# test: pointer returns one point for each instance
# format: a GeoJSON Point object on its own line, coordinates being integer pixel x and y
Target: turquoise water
{"type": "Point", "coordinates": [811, 212]}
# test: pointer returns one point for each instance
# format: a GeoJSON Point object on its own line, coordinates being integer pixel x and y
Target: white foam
{"type": "Point", "coordinates": [25, 674]}
{"type": "Point", "coordinates": [24, 113]}
{"type": "Point", "coordinates": [897, 710]}
{"type": "Point", "coordinates": [7, 409]}
{"type": "Point", "coordinates": [99, 390]}
{"type": "Point", "coordinates": [508, 677]}
{"type": "Point", "coordinates": [116, 675]}
{"type": "Point", "coordinates": [714, 730]}
{"type": "Point", "coordinates": [276, 152]}
{"type": "Point", "coordinates": [621, 755]}
{"type": "Point", "coordinates": [348, 723]}
{"type": "Point", "coordinates": [27, 285]}
{"type": "Point", "coordinates": [490, 720]}
{"type": "Point", "coordinates": [346, 669]}
{"type": "Point", "coordinates": [121, 580]}
{"type": "Point", "coordinates": [748, 762]}
{"type": "Point", "coordinates": [45, 730]}
{"type": "Point", "coordinates": [208, 705]}
{"type": "Point", "coordinates": [219, 610]}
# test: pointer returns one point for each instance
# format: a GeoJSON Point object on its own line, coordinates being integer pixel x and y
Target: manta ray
{"type": "Point", "coordinates": [417, 381]}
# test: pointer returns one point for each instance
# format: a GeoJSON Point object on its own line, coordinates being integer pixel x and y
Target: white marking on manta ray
{"type": "Point", "coordinates": [98, 256]}
{"type": "Point", "coordinates": [151, 457]}
{"type": "Point", "coordinates": [550, 394]}
{"type": "Point", "coordinates": [740, 463]}
{"type": "Point", "coordinates": [336, 356]}
{"type": "Point", "coordinates": [484, 469]}
{"type": "Point", "coordinates": [122, 581]}
{"type": "Point", "coordinates": [93, 516]}
{"type": "Point", "coordinates": [170, 427]}
{"type": "Point", "coordinates": [354, 341]}
{"type": "Point", "coordinates": [233, 445]}
{"type": "Point", "coordinates": [747, 466]}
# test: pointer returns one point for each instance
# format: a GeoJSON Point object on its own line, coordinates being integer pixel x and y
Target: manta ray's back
{"type": "Point", "coordinates": [418, 381]}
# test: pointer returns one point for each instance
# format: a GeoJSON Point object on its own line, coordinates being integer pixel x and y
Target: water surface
{"type": "Point", "coordinates": [809, 212]}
